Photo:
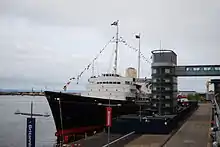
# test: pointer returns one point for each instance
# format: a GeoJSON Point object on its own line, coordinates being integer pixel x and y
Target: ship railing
{"type": "Point", "coordinates": [215, 130]}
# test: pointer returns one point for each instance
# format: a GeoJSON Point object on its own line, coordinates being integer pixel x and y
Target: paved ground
{"type": "Point", "coordinates": [195, 131]}
{"type": "Point", "coordinates": [101, 140]}
{"type": "Point", "coordinates": [148, 141]}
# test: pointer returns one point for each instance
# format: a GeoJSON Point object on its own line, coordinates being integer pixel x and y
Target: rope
{"type": "Point", "coordinates": [88, 66]}
{"type": "Point", "coordinates": [111, 60]}
{"type": "Point", "coordinates": [96, 57]}
{"type": "Point", "coordinates": [135, 49]}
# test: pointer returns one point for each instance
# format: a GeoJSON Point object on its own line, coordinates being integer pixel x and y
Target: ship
{"type": "Point", "coordinates": [79, 113]}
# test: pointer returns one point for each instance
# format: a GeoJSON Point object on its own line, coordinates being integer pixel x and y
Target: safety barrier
{"type": "Point", "coordinates": [215, 123]}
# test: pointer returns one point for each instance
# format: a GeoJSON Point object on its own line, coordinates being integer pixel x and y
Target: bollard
{"type": "Point", "coordinates": [85, 135]}
{"type": "Point", "coordinates": [215, 144]}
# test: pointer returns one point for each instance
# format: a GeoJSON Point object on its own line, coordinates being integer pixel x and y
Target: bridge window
{"type": "Point", "coordinates": [110, 82]}
{"type": "Point", "coordinates": [118, 82]}
{"type": "Point", "coordinates": [217, 68]}
{"type": "Point", "coordinates": [189, 69]}
{"type": "Point", "coordinates": [167, 88]}
{"type": "Point", "coordinates": [196, 69]}
{"type": "Point", "coordinates": [114, 82]}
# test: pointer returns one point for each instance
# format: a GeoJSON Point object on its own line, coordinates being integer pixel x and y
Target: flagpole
{"type": "Point", "coordinates": [116, 48]}
{"type": "Point", "coordinates": [139, 54]}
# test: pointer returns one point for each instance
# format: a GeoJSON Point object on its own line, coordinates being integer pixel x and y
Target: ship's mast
{"type": "Point", "coordinates": [93, 68]}
{"type": "Point", "coordinates": [139, 55]}
{"type": "Point", "coordinates": [116, 46]}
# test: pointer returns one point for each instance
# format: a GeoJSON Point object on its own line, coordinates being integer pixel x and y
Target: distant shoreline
{"type": "Point", "coordinates": [23, 93]}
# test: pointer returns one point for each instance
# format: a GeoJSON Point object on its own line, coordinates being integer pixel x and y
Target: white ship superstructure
{"type": "Point", "coordinates": [116, 87]}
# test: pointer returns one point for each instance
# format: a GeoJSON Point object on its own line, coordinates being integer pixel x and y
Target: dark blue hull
{"type": "Point", "coordinates": [77, 114]}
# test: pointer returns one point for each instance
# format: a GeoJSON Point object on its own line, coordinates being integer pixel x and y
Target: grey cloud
{"type": "Point", "coordinates": [53, 40]}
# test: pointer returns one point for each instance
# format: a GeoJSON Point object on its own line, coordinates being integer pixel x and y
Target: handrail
{"type": "Point", "coordinates": [216, 128]}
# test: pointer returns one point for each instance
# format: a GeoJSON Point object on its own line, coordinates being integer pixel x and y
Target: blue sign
{"type": "Point", "coordinates": [30, 132]}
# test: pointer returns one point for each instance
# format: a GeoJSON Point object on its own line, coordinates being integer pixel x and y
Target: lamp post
{"type": "Point", "coordinates": [109, 115]}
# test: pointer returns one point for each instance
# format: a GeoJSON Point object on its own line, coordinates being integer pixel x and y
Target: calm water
{"type": "Point", "coordinates": [13, 127]}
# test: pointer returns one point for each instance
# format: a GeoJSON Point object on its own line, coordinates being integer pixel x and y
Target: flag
{"type": "Point", "coordinates": [115, 23]}
{"type": "Point", "coordinates": [64, 88]}
{"type": "Point", "coordinates": [137, 36]}
{"type": "Point", "coordinates": [72, 78]}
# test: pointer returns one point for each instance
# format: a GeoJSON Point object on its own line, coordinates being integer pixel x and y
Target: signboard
{"type": "Point", "coordinates": [30, 132]}
{"type": "Point", "coordinates": [108, 116]}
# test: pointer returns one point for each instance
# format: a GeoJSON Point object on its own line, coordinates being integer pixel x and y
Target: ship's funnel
{"type": "Point", "coordinates": [131, 72]}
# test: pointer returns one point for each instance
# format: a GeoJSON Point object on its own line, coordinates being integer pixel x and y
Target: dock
{"type": "Point", "coordinates": [193, 133]}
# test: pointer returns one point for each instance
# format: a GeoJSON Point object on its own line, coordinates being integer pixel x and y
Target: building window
{"type": "Point", "coordinates": [155, 96]}
{"type": "Point", "coordinates": [166, 112]}
{"type": "Point", "coordinates": [167, 97]}
{"type": "Point", "coordinates": [154, 71]}
{"type": "Point", "coordinates": [167, 105]}
{"type": "Point", "coordinates": [167, 88]}
{"type": "Point", "coordinates": [167, 80]}
{"type": "Point", "coordinates": [167, 70]}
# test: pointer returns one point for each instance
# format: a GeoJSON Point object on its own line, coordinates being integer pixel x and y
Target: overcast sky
{"type": "Point", "coordinates": [45, 42]}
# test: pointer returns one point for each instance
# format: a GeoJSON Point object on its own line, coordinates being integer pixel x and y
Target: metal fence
{"type": "Point", "coordinates": [215, 130]}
